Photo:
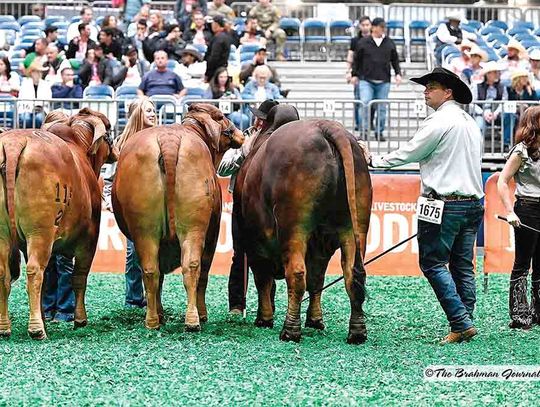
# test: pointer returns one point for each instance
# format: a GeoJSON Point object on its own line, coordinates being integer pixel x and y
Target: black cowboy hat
{"type": "Point", "coordinates": [264, 108]}
{"type": "Point", "coordinates": [460, 90]}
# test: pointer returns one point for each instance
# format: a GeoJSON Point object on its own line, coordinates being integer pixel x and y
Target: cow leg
{"type": "Point", "coordinates": [295, 274]}
{"type": "Point", "coordinates": [84, 255]}
{"type": "Point", "coordinates": [5, 289]}
{"type": "Point", "coordinates": [161, 313]}
{"type": "Point", "coordinates": [355, 278]}
{"type": "Point", "coordinates": [191, 249]}
{"type": "Point", "coordinates": [201, 295]}
{"type": "Point", "coordinates": [39, 253]}
{"type": "Point", "coordinates": [148, 248]}
{"type": "Point", "coordinates": [315, 282]}
{"type": "Point", "coordinates": [263, 281]}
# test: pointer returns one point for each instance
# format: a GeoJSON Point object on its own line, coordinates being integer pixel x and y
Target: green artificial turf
{"type": "Point", "coordinates": [116, 361]}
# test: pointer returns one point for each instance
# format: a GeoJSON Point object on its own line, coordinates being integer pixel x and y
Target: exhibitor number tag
{"type": "Point", "coordinates": [429, 210]}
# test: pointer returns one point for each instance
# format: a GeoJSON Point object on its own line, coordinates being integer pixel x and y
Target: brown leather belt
{"type": "Point", "coordinates": [529, 199]}
{"type": "Point", "coordinates": [452, 198]}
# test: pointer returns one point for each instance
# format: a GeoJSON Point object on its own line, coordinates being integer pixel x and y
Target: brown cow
{"type": "Point", "coordinates": [50, 202]}
{"type": "Point", "coordinates": [304, 193]}
{"type": "Point", "coordinates": [166, 198]}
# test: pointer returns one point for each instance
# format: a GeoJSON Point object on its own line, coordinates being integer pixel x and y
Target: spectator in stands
{"type": "Point", "coordinates": [252, 34]}
{"type": "Point", "coordinates": [450, 33]}
{"type": "Point", "coordinates": [156, 23]}
{"type": "Point", "coordinates": [51, 34]}
{"type": "Point", "coordinates": [231, 32]}
{"type": "Point", "coordinates": [161, 81]}
{"type": "Point", "coordinates": [474, 73]}
{"type": "Point", "coordinates": [172, 43]}
{"type": "Point", "coordinates": [219, 7]}
{"type": "Point", "coordinates": [217, 54]}
{"type": "Point", "coordinates": [34, 93]}
{"type": "Point", "coordinates": [185, 8]}
{"type": "Point", "coordinates": [197, 33]}
{"type": "Point", "coordinates": [38, 10]}
{"type": "Point", "coordinates": [523, 165]}
{"type": "Point", "coordinates": [268, 16]}
{"type": "Point", "coordinates": [519, 90]}
{"type": "Point", "coordinates": [95, 70]}
{"type": "Point", "coordinates": [79, 45]}
{"type": "Point", "coordinates": [39, 55]}
{"type": "Point", "coordinates": [67, 89]}
{"type": "Point", "coordinates": [260, 88]}
{"type": "Point", "coordinates": [132, 70]}
{"type": "Point", "coordinates": [87, 16]}
{"type": "Point", "coordinates": [515, 59]}
{"type": "Point", "coordinates": [371, 71]}
{"type": "Point", "coordinates": [52, 64]}
{"type": "Point", "coordinates": [222, 87]}
{"type": "Point", "coordinates": [112, 49]}
{"type": "Point", "coordinates": [534, 58]}
{"type": "Point", "coordinates": [258, 59]}
{"type": "Point", "coordinates": [136, 10]}
{"type": "Point", "coordinates": [10, 82]}
{"type": "Point", "coordinates": [457, 65]}
{"type": "Point", "coordinates": [112, 23]}
{"type": "Point", "coordinates": [137, 39]}
{"type": "Point", "coordinates": [190, 69]}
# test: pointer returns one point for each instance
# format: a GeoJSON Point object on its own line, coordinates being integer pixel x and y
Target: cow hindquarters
{"type": "Point", "coordinates": [5, 289]}
{"type": "Point", "coordinates": [355, 277]}
{"type": "Point", "coordinates": [192, 248]}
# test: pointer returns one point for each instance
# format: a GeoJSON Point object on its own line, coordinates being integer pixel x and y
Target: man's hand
{"type": "Point", "coordinates": [513, 219]}
{"type": "Point", "coordinates": [398, 80]}
{"type": "Point", "coordinates": [348, 76]}
{"type": "Point", "coordinates": [488, 116]}
{"type": "Point", "coordinates": [246, 147]}
{"type": "Point", "coordinates": [367, 155]}
{"type": "Point", "coordinates": [268, 33]}
{"type": "Point", "coordinates": [354, 80]}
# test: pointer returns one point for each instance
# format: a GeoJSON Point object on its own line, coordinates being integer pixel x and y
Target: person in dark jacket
{"type": "Point", "coordinates": [78, 46]}
{"type": "Point", "coordinates": [95, 70]}
{"type": "Point", "coordinates": [67, 89]}
{"type": "Point", "coordinates": [217, 54]}
{"type": "Point", "coordinates": [132, 70]}
{"type": "Point", "coordinates": [196, 32]}
{"type": "Point", "coordinates": [172, 44]}
{"type": "Point", "coordinates": [373, 58]}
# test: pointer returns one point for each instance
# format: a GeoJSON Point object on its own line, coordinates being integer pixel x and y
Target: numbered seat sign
{"type": "Point", "coordinates": [429, 210]}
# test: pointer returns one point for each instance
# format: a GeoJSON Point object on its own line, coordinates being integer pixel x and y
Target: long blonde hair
{"type": "Point", "coordinates": [136, 119]}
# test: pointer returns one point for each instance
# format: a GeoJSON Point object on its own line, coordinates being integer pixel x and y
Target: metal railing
{"type": "Point", "coordinates": [18, 8]}
{"type": "Point", "coordinates": [385, 124]}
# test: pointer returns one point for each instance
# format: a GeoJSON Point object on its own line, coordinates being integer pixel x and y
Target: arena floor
{"type": "Point", "coordinates": [116, 361]}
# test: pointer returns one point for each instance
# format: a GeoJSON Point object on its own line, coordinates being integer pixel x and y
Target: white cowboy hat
{"type": "Point", "coordinates": [490, 66]}
{"type": "Point", "coordinates": [456, 16]}
{"type": "Point", "coordinates": [465, 44]}
{"type": "Point", "coordinates": [476, 50]}
{"type": "Point", "coordinates": [517, 46]}
{"type": "Point", "coordinates": [535, 54]}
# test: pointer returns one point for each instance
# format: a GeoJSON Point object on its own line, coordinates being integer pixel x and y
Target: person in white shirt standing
{"type": "Point", "coordinates": [448, 145]}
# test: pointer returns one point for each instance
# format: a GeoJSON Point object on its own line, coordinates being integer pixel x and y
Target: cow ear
{"type": "Point", "coordinates": [99, 132]}
{"type": "Point", "coordinates": [213, 129]}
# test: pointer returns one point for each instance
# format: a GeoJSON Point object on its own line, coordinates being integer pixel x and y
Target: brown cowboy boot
{"type": "Point", "coordinates": [457, 337]}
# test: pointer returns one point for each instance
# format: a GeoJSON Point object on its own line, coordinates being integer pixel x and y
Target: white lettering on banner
{"type": "Point", "coordinates": [374, 234]}
{"type": "Point", "coordinates": [389, 237]}
{"type": "Point", "coordinates": [109, 230]}
{"type": "Point", "coordinates": [394, 206]}
{"type": "Point", "coordinates": [225, 243]}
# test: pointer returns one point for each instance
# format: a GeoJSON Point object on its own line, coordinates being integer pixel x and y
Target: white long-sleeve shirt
{"type": "Point", "coordinates": [444, 35]}
{"type": "Point", "coordinates": [448, 146]}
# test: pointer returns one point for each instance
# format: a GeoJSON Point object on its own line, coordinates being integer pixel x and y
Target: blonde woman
{"type": "Point", "coordinates": [141, 115]}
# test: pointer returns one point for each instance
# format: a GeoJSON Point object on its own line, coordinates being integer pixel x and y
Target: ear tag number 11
{"type": "Point", "coordinates": [429, 210]}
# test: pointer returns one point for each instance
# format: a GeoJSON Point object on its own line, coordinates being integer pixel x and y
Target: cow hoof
{"type": "Point", "coordinates": [193, 328]}
{"type": "Point", "coordinates": [38, 335]}
{"type": "Point", "coordinates": [152, 324]}
{"type": "Point", "coordinates": [161, 319]}
{"type": "Point", "coordinates": [315, 324]}
{"type": "Point", "coordinates": [287, 335]}
{"type": "Point", "coordinates": [79, 324]}
{"type": "Point", "coordinates": [203, 319]}
{"type": "Point", "coordinates": [261, 323]}
{"type": "Point", "coordinates": [4, 334]}
{"type": "Point", "coordinates": [356, 338]}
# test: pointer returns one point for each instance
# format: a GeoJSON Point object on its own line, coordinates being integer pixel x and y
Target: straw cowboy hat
{"type": "Point", "coordinates": [465, 44]}
{"type": "Point", "coordinates": [490, 66]}
{"type": "Point", "coordinates": [476, 50]}
{"type": "Point", "coordinates": [460, 90]}
{"type": "Point", "coordinates": [518, 73]}
{"type": "Point", "coordinates": [517, 46]}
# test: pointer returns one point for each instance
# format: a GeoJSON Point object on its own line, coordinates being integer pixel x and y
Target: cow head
{"type": "Point", "coordinates": [92, 129]}
{"type": "Point", "coordinates": [221, 131]}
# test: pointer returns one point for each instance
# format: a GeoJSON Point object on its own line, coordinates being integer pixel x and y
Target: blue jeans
{"type": "Point", "coordinates": [452, 243]}
{"type": "Point", "coordinates": [369, 91]}
{"type": "Point", "coordinates": [58, 298]}
{"type": "Point", "coordinates": [357, 108]}
{"type": "Point", "coordinates": [29, 120]}
{"type": "Point", "coordinates": [134, 286]}
{"type": "Point", "coordinates": [240, 120]}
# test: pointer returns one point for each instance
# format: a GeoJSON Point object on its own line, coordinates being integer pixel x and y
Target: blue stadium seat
{"type": "Point", "coordinates": [291, 26]}
{"type": "Point", "coordinates": [396, 31]}
{"type": "Point", "coordinates": [61, 25]}
{"type": "Point", "coordinates": [469, 28]}
{"type": "Point", "coordinates": [15, 63]}
{"type": "Point", "coordinates": [99, 20]}
{"type": "Point", "coordinates": [7, 109]}
{"type": "Point", "coordinates": [33, 25]}
{"type": "Point", "coordinates": [18, 54]}
{"type": "Point", "coordinates": [450, 50]}
{"type": "Point", "coordinates": [518, 30]}
{"type": "Point", "coordinates": [537, 32]}
{"type": "Point", "coordinates": [502, 52]}
{"type": "Point", "coordinates": [340, 31]}
{"type": "Point", "coordinates": [32, 33]}
{"type": "Point", "coordinates": [530, 43]}
{"type": "Point", "coordinates": [492, 55]}
{"type": "Point", "coordinates": [254, 47]}
{"type": "Point", "coordinates": [10, 25]}
{"type": "Point", "coordinates": [246, 57]}
{"type": "Point", "coordinates": [491, 29]}
{"type": "Point", "coordinates": [314, 30]}
{"type": "Point", "coordinates": [23, 45]}
{"type": "Point", "coordinates": [432, 30]}
{"type": "Point", "coordinates": [239, 25]}
{"type": "Point", "coordinates": [50, 20]}
{"type": "Point", "coordinates": [475, 23]}
{"type": "Point", "coordinates": [75, 19]}
{"type": "Point", "coordinates": [7, 19]}
{"type": "Point", "coordinates": [523, 24]}
{"type": "Point", "coordinates": [29, 19]}
{"type": "Point", "coordinates": [125, 94]}
{"type": "Point", "coordinates": [417, 31]}
{"type": "Point", "coordinates": [525, 37]}
{"type": "Point", "coordinates": [498, 37]}
{"type": "Point", "coordinates": [195, 92]}
{"type": "Point", "coordinates": [98, 92]}
{"type": "Point", "coordinates": [497, 23]}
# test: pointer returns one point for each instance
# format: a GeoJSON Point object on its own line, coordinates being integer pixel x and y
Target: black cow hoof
{"type": "Point", "coordinates": [316, 324]}
{"type": "Point", "coordinates": [288, 335]}
{"type": "Point", "coordinates": [38, 335]}
{"type": "Point", "coordinates": [80, 324]}
{"type": "Point", "coordinates": [161, 319]}
{"type": "Point", "coordinates": [261, 323]}
{"type": "Point", "coordinates": [5, 334]}
{"type": "Point", "coordinates": [356, 338]}
{"type": "Point", "coordinates": [193, 328]}
{"type": "Point", "coordinates": [203, 319]}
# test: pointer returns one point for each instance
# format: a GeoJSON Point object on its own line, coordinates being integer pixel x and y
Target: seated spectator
{"type": "Point", "coordinates": [79, 45]}
{"type": "Point", "coordinates": [252, 34]}
{"type": "Point", "coordinates": [38, 10]}
{"type": "Point", "coordinates": [222, 87]}
{"type": "Point", "coordinates": [10, 82]}
{"type": "Point", "coordinates": [268, 17]}
{"type": "Point", "coordinates": [260, 88]}
{"type": "Point", "coordinates": [51, 35]}
{"type": "Point", "coordinates": [450, 33]}
{"type": "Point", "coordinates": [136, 40]}
{"type": "Point", "coordinates": [136, 10]}
{"type": "Point", "coordinates": [515, 59]}
{"type": "Point", "coordinates": [132, 70]}
{"type": "Point", "coordinates": [258, 59]}
{"type": "Point", "coordinates": [156, 22]}
{"type": "Point", "coordinates": [52, 64]}
{"type": "Point", "coordinates": [185, 8]}
{"type": "Point", "coordinates": [39, 55]}
{"type": "Point", "coordinates": [95, 70]}
{"type": "Point", "coordinates": [219, 7]}
{"type": "Point", "coordinates": [191, 68]}
{"type": "Point", "coordinates": [172, 44]}
{"type": "Point", "coordinates": [87, 16]}
{"type": "Point", "coordinates": [520, 90]}
{"type": "Point", "coordinates": [463, 61]}
{"type": "Point", "coordinates": [474, 74]}
{"type": "Point", "coordinates": [112, 23]}
{"type": "Point", "coordinates": [197, 33]}
{"type": "Point", "coordinates": [161, 81]}
{"type": "Point", "coordinates": [111, 47]}
{"type": "Point", "coordinates": [534, 58]}
{"type": "Point", "coordinates": [67, 89]}
{"type": "Point", "coordinates": [34, 93]}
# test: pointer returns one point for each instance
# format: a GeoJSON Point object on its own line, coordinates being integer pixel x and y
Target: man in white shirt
{"type": "Point", "coordinates": [86, 17]}
{"type": "Point", "coordinates": [448, 145]}
{"type": "Point", "coordinates": [450, 33]}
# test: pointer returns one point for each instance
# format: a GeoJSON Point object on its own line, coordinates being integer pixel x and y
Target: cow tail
{"type": "Point", "coordinates": [11, 153]}
{"type": "Point", "coordinates": [169, 146]}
